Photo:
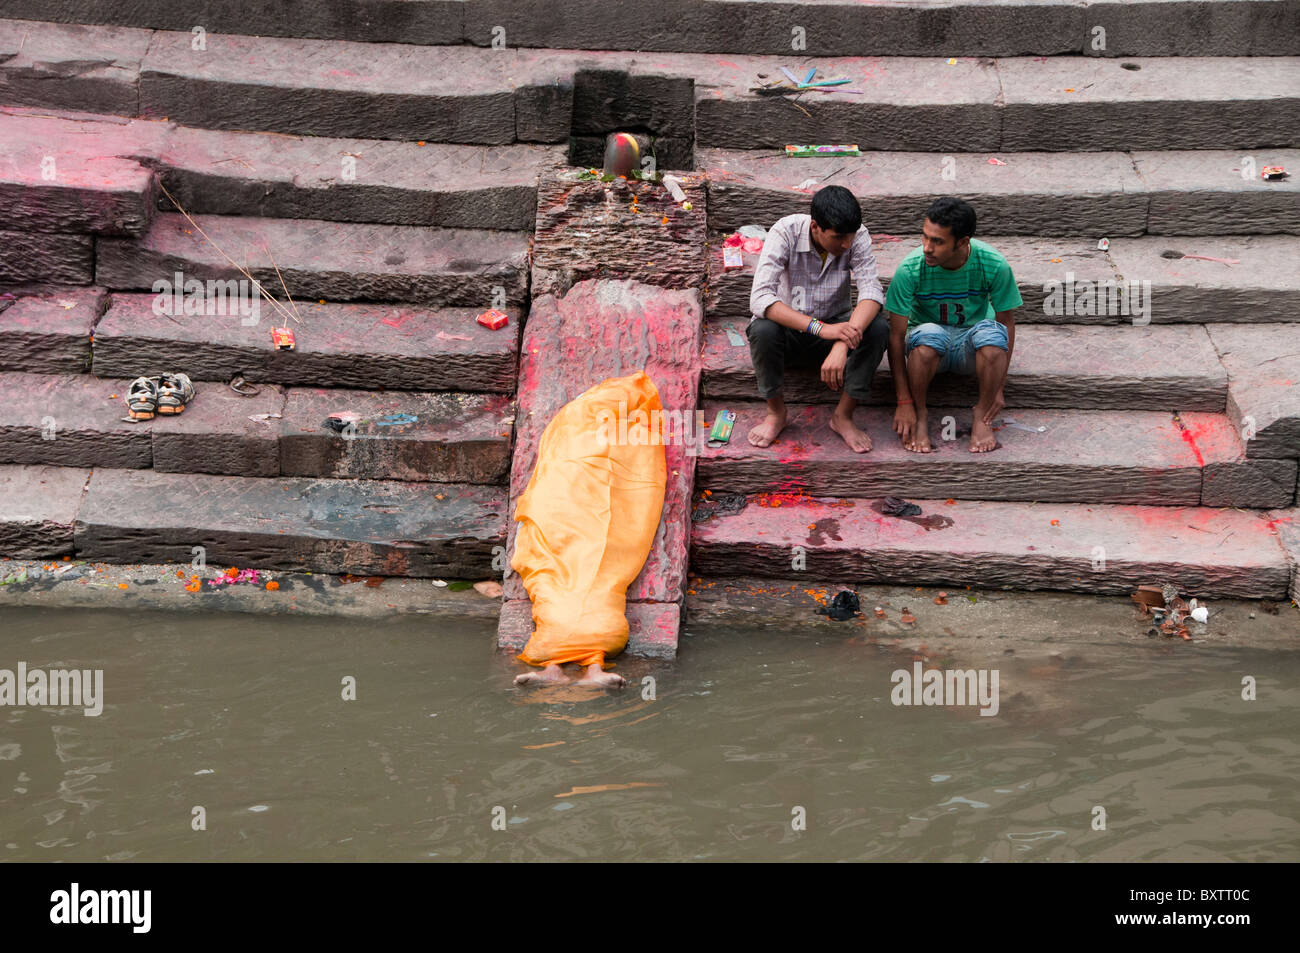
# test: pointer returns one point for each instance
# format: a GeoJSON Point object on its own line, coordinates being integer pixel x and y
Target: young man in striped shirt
{"type": "Point", "coordinates": [801, 313]}
{"type": "Point", "coordinates": [951, 307]}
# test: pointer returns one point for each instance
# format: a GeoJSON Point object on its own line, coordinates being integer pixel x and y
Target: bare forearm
{"type": "Point", "coordinates": [786, 316]}
{"type": "Point", "coordinates": [864, 313]}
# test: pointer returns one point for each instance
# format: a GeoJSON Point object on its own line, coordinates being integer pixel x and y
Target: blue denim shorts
{"type": "Point", "coordinates": [958, 345]}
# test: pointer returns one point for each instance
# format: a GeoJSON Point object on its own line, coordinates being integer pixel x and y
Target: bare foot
{"type": "Point", "coordinates": [550, 675]}
{"type": "Point", "coordinates": [982, 438]}
{"type": "Point", "coordinates": [599, 678]}
{"type": "Point", "coordinates": [858, 441]}
{"type": "Point", "coordinates": [766, 432]}
{"type": "Point", "coordinates": [920, 442]}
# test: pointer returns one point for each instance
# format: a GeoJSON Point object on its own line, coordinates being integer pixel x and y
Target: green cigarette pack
{"type": "Point", "coordinates": [722, 425]}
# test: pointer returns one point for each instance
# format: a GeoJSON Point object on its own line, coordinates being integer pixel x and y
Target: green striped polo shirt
{"type": "Point", "coordinates": [931, 294]}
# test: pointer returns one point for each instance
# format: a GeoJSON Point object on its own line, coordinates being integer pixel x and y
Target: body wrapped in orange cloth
{"type": "Point", "coordinates": [588, 519]}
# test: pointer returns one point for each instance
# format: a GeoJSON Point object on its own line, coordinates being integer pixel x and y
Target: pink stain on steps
{"type": "Point", "coordinates": [1191, 442]}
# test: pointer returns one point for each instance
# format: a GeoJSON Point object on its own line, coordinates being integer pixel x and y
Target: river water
{"type": "Point", "coordinates": [757, 744]}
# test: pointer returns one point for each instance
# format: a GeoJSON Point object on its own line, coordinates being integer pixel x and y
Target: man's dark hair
{"type": "Point", "coordinates": [834, 209]}
{"type": "Point", "coordinates": [955, 214]}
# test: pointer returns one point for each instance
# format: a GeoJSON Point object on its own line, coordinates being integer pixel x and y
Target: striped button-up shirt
{"type": "Point", "coordinates": [791, 270]}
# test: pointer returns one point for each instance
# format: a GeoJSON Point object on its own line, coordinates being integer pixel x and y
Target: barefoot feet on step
{"type": "Point", "coordinates": [858, 441]}
{"type": "Point", "coordinates": [982, 438]}
{"type": "Point", "coordinates": [763, 434]}
{"type": "Point", "coordinates": [919, 441]}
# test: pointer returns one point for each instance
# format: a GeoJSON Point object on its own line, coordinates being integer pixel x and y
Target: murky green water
{"type": "Point", "coordinates": [243, 716]}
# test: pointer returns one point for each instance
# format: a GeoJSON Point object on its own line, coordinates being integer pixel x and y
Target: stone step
{"type": "Point", "coordinates": [1263, 386]}
{"type": "Point", "coordinates": [364, 90]}
{"type": "Point", "coordinates": [46, 330]}
{"type": "Point", "coordinates": [70, 420]}
{"type": "Point", "coordinates": [69, 65]}
{"type": "Point", "coordinates": [1124, 368]}
{"type": "Point", "coordinates": [1287, 524]}
{"type": "Point", "coordinates": [399, 91]}
{"type": "Point", "coordinates": [39, 510]}
{"type": "Point", "coordinates": [76, 421]}
{"type": "Point", "coordinates": [325, 260]}
{"type": "Point", "coordinates": [1208, 553]}
{"type": "Point", "coordinates": [53, 184]}
{"type": "Point", "coordinates": [917, 28]}
{"type": "Point", "coordinates": [362, 346]}
{"type": "Point", "coordinates": [27, 257]}
{"type": "Point", "coordinates": [380, 527]}
{"type": "Point", "coordinates": [1143, 457]}
{"type": "Point", "coordinates": [1181, 289]}
{"type": "Point", "coordinates": [210, 171]}
{"type": "Point", "coordinates": [314, 87]}
{"type": "Point", "coordinates": [450, 438]}
{"type": "Point", "coordinates": [1089, 104]}
{"type": "Point", "coordinates": [1041, 194]}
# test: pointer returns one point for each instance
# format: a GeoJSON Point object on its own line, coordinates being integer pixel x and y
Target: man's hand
{"type": "Point", "coordinates": [905, 421]}
{"type": "Point", "coordinates": [842, 332]}
{"type": "Point", "coordinates": [833, 366]}
{"type": "Point", "coordinates": [995, 408]}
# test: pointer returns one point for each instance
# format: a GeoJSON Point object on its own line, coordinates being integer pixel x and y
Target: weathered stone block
{"type": "Point", "coordinates": [69, 420]}
{"type": "Point", "coordinates": [216, 435]}
{"type": "Point", "coordinates": [444, 438]}
{"type": "Point", "coordinates": [46, 257]}
{"type": "Point", "coordinates": [326, 260]}
{"type": "Point", "coordinates": [1083, 456]}
{"type": "Point", "coordinates": [48, 331]}
{"type": "Point", "coordinates": [1263, 386]}
{"type": "Point", "coordinates": [363, 346]}
{"type": "Point", "coordinates": [1212, 553]}
{"type": "Point", "coordinates": [39, 509]}
{"type": "Point", "coordinates": [380, 527]}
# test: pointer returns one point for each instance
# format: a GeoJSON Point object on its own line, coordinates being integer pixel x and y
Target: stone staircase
{"type": "Point", "coordinates": [386, 169]}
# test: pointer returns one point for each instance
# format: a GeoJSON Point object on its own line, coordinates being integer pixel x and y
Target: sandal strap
{"type": "Point", "coordinates": [243, 388]}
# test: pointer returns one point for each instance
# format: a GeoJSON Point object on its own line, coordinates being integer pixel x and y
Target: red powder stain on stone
{"type": "Point", "coordinates": [1273, 523]}
{"type": "Point", "coordinates": [728, 63]}
{"type": "Point", "coordinates": [1190, 440]}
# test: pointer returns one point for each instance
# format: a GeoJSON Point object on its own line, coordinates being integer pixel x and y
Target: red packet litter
{"type": "Point", "coordinates": [493, 320]}
{"type": "Point", "coordinates": [282, 339]}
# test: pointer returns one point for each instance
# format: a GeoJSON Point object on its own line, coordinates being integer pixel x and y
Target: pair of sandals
{"type": "Point", "coordinates": [166, 394]}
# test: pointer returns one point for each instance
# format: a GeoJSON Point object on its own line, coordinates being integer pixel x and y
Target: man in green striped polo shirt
{"type": "Point", "coordinates": [951, 307]}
